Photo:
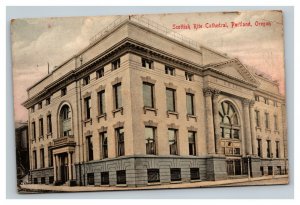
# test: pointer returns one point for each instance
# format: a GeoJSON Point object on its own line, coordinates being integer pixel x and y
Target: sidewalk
{"type": "Point", "coordinates": [51, 188]}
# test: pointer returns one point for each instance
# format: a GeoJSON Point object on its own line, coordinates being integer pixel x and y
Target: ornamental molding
{"type": "Point", "coordinates": [148, 79]}
{"type": "Point", "coordinates": [118, 125]}
{"type": "Point", "coordinates": [102, 129]}
{"type": "Point", "coordinates": [100, 88]}
{"type": "Point", "coordinates": [173, 126]}
{"type": "Point", "coordinates": [88, 133]}
{"type": "Point", "coordinates": [150, 123]}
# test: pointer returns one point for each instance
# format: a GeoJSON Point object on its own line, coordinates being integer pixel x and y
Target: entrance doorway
{"type": "Point", "coordinates": [234, 167]}
{"type": "Point", "coordinates": [64, 176]}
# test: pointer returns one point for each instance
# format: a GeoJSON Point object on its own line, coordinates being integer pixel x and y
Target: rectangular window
{"type": "Point", "coordinates": [195, 173]}
{"type": "Point", "coordinates": [147, 63]}
{"type": "Point", "coordinates": [277, 149]}
{"type": "Point", "coordinates": [104, 178]}
{"type": "Point", "coordinates": [257, 118]}
{"type": "Point", "coordinates": [121, 177]}
{"type": "Point", "coordinates": [48, 101]}
{"type": "Point", "coordinates": [175, 174]}
{"type": "Point", "coordinates": [42, 158]}
{"type": "Point", "coordinates": [104, 145]}
{"type": "Point", "coordinates": [50, 157]}
{"type": "Point", "coordinates": [88, 107]}
{"type": "Point", "coordinates": [32, 109]}
{"type": "Point", "coordinates": [148, 95]}
{"type": "Point", "coordinates": [101, 102]}
{"type": "Point", "coordinates": [90, 179]}
{"type": "Point", "coordinates": [169, 70]}
{"type": "Point", "coordinates": [257, 98]}
{"type": "Point", "coordinates": [120, 141]}
{"type": "Point", "coordinates": [259, 148]}
{"type": "Point", "coordinates": [266, 101]}
{"type": "Point", "coordinates": [192, 143]}
{"type": "Point", "coordinates": [49, 124]}
{"type": "Point", "coordinates": [63, 91]}
{"type": "Point", "coordinates": [43, 180]}
{"type": "Point", "coordinates": [189, 76]}
{"type": "Point", "coordinates": [35, 180]}
{"type": "Point", "coordinates": [269, 148]}
{"type": "Point", "coordinates": [34, 159]}
{"type": "Point", "coordinates": [173, 141]}
{"type": "Point", "coordinates": [86, 80]}
{"type": "Point", "coordinates": [100, 73]}
{"type": "Point", "coordinates": [275, 123]}
{"type": "Point", "coordinates": [89, 143]}
{"type": "Point", "coordinates": [117, 96]}
{"type": "Point", "coordinates": [150, 140]}
{"type": "Point", "coordinates": [33, 131]}
{"type": "Point", "coordinates": [267, 121]}
{"type": "Point", "coordinates": [41, 127]}
{"type": "Point", "coordinates": [40, 105]}
{"type": "Point", "coordinates": [190, 104]}
{"type": "Point", "coordinates": [171, 100]}
{"type": "Point", "coordinates": [153, 175]}
{"type": "Point", "coordinates": [116, 64]}
{"type": "Point", "coordinates": [51, 179]}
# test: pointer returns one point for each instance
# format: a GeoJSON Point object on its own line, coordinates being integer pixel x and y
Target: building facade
{"type": "Point", "coordinates": [22, 149]}
{"type": "Point", "coordinates": [138, 107]}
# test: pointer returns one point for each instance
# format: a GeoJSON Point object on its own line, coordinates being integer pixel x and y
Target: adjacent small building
{"type": "Point", "coordinates": [142, 106]}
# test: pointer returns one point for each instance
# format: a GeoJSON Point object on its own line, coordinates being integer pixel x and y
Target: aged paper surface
{"type": "Point", "coordinates": [150, 101]}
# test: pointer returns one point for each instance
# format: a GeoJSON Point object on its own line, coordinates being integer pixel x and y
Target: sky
{"type": "Point", "coordinates": [35, 42]}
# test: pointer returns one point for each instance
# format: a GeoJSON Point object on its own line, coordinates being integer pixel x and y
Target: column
{"type": "Point", "coordinates": [216, 121]}
{"type": "Point", "coordinates": [55, 168]}
{"type": "Point", "coordinates": [253, 131]}
{"type": "Point", "coordinates": [70, 165]}
{"type": "Point", "coordinates": [209, 121]}
{"type": "Point", "coordinates": [247, 129]}
{"type": "Point", "coordinates": [58, 168]}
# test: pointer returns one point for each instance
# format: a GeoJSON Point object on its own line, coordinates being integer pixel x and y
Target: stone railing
{"type": "Point", "coordinates": [64, 140]}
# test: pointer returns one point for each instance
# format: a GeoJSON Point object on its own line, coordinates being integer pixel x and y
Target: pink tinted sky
{"type": "Point", "coordinates": [38, 41]}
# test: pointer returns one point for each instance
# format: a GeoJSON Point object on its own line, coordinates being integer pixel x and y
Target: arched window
{"type": "Point", "coordinates": [229, 122]}
{"type": "Point", "coordinates": [65, 121]}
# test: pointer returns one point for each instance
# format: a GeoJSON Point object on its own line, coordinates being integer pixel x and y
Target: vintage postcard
{"type": "Point", "coordinates": [150, 101]}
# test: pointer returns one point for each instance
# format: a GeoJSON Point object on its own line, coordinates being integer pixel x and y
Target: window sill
{"type": "Point", "coordinates": [88, 121]}
{"type": "Point", "coordinates": [188, 116]}
{"type": "Point", "coordinates": [268, 130]}
{"type": "Point", "coordinates": [153, 183]}
{"type": "Point", "coordinates": [117, 110]}
{"type": "Point", "coordinates": [172, 113]}
{"type": "Point", "coordinates": [121, 185]}
{"type": "Point", "coordinates": [49, 134]}
{"type": "Point", "coordinates": [145, 108]}
{"type": "Point", "coordinates": [175, 182]}
{"type": "Point", "coordinates": [104, 115]}
{"type": "Point", "coordinates": [195, 180]}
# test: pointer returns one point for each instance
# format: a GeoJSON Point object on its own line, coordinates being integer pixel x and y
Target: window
{"type": "Point", "coordinates": [48, 101]}
{"type": "Point", "coordinates": [51, 179]}
{"type": "Point", "coordinates": [89, 143]}
{"type": "Point", "coordinates": [169, 70]}
{"type": "Point", "coordinates": [121, 177]}
{"type": "Point", "coordinates": [259, 148]}
{"type": "Point", "coordinates": [153, 175]}
{"type": "Point", "coordinates": [270, 170]}
{"type": "Point", "coordinates": [189, 76]}
{"type": "Point", "coordinates": [175, 174]}
{"type": "Point", "coordinates": [275, 103]}
{"type": "Point", "coordinates": [192, 143]}
{"type": "Point", "coordinates": [34, 159]}
{"type": "Point", "coordinates": [275, 123]}
{"type": "Point", "coordinates": [257, 98]}
{"type": "Point", "coordinates": [43, 180]}
{"type": "Point", "coordinates": [116, 64]}
{"type": "Point", "coordinates": [32, 109]}
{"type": "Point", "coordinates": [277, 149]}
{"type": "Point", "coordinates": [33, 132]}
{"type": "Point", "coordinates": [257, 118]}
{"type": "Point", "coordinates": [147, 63]}
{"type": "Point", "coordinates": [171, 100]}
{"type": "Point", "coordinates": [120, 141]}
{"type": "Point", "coordinates": [90, 179]}
{"type": "Point", "coordinates": [65, 121]}
{"type": "Point", "coordinates": [86, 80]}
{"type": "Point", "coordinates": [104, 178]}
{"type": "Point", "coordinates": [88, 107]}
{"type": "Point", "coordinates": [195, 173]}
{"type": "Point", "coordinates": [42, 158]}
{"type": "Point", "coordinates": [269, 148]}
{"type": "Point", "coordinates": [35, 180]}
{"type": "Point", "coordinates": [262, 171]}
{"type": "Point", "coordinates": [173, 141]}
{"type": "Point", "coordinates": [50, 157]}
{"type": "Point", "coordinates": [190, 104]}
{"type": "Point", "coordinates": [266, 101]}
{"type": "Point", "coordinates": [229, 121]}
{"type": "Point", "coordinates": [267, 121]}
{"type": "Point", "coordinates": [49, 124]}
{"type": "Point", "coordinates": [41, 127]}
{"type": "Point", "coordinates": [148, 95]}
{"type": "Point", "coordinates": [104, 145]}
{"type": "Point", "coordinates": [40, 105]}
{"type": "Point", "coordinates": [100, 73]}
{"type": "Point", "coordinates": [63, 91]}
{"type": "Point", "coordinates": [101, 102]}
{"type": "Point", "coordinates": [117, 96]}
{"type": "Point", "coordinates": [150, 140]}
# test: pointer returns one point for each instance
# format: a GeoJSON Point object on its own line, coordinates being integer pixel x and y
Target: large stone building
{"type": "Point", "coordinates": [141, 106]}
